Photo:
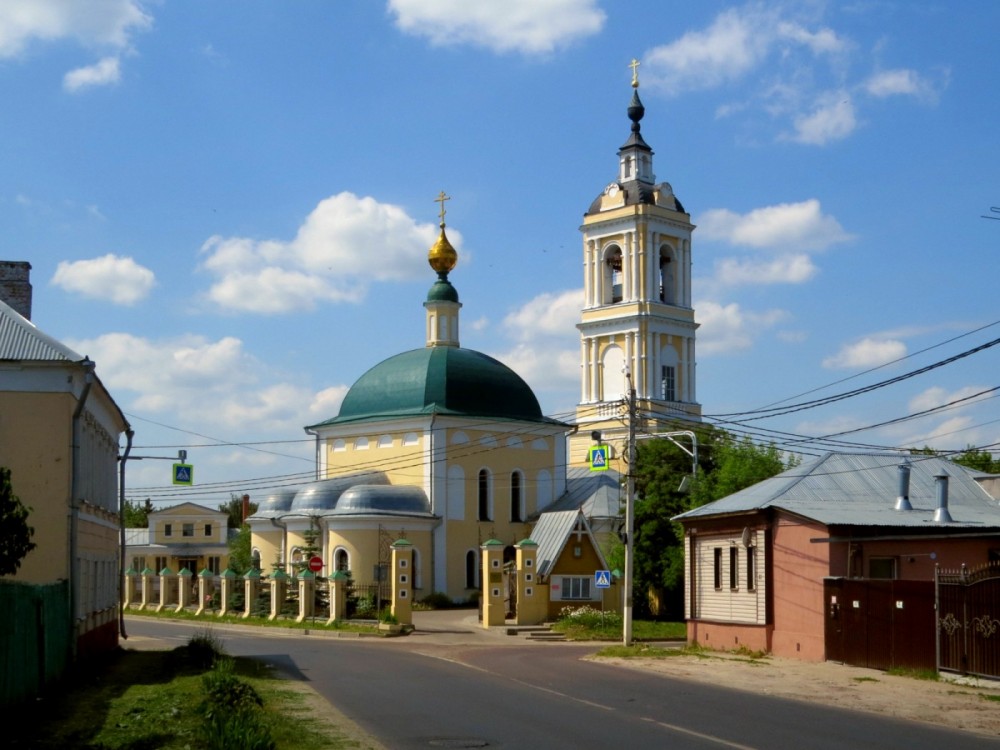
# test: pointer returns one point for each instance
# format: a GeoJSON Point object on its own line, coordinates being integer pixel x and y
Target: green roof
{"type": "Point", "coordinates": [439, 380]}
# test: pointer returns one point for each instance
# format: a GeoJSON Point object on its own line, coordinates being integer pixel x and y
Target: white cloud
{"type": "Point", "coordinates": [832, 119]}
{"type": "Point", "coordinates": [114, 278]}
{"type": "Point", "coordinates": [738, 41]}
{"type": "Point", "coordinates": [728, 328]}
{"type": "Point", "coordinates": [545, 367]}
{"type": "Point", "coordinates": [95, 22]}
{"type": "Point", "coordinates": [866, 353]}
{"type": "Point", "coordinates": [210, 386]}
{"type": "Point", "coordinates": [900, 82]}
{"type": "Point", "coordinates": [549, 314]}
{"type": "Point", "coordinates": [799, 226]}
{"type": "Point", "coordinates": [526, 26]}
{"type": "Point", "coordinates": [103, 73]}
{"type": "Point", "coordinates": [787, 269]}
{"type": "Point", "coordinates": [343, 245]}
{"type": "Point", "coordinates": [937, 396]}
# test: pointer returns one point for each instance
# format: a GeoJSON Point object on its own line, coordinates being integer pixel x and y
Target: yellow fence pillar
{"type": "Point", "coordinates": [402, 581]}
{"type": "Point", "coordinates": [493, 604]}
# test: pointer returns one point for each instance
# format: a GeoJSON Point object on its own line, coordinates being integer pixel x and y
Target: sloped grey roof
{"type": "Point", "coordinates": [551, 533]}
{"type": "Point", "coordinates": [598, 494]}
{"type": "Point", "coordinates": [860, 489]}
{"type": "Point", "coordinates": [20, 340]}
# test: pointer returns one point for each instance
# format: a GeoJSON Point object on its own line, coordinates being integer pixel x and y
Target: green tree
{"type": "Point", "coordinates": [978, 460]}
{"type": "Point", "coordinates": [240, 551]}
{"type": "Point", "coordinates": [233, 508]}
{"type": "Point", "coordinates": [725, 465]}
{"type": "Point", "coordinates": [15, 533]}
{"type": "Point", "coordinates": [136, 514]}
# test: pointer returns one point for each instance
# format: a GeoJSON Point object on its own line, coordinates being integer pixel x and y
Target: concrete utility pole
{"type": "Point", "coordinates": [629, 514]}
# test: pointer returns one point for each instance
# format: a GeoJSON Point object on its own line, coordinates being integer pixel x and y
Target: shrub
{"type": "Point", "coordinates": [437, 600]}
{"type": "Point", "coordinates": [589, 617]}
{"type": "Point", "coordinates": [203, 649]}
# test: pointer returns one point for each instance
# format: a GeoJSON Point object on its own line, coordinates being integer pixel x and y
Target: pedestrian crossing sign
{"type": "Point", "coordinates": [602, 579]}
{"type": "Point", "coordinates": [599, 458]}
{"type": "Point", "coordinates": [183, 474]}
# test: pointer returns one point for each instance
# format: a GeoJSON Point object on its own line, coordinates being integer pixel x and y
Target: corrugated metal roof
{"type": "Point", "coordinates": [860, 489]}
{"type": "Point", "coordinates": [551, 533]}
{"type": "Point", "coordinates": [20, 340]}
{"type": "Point", "coordinates": [598, 494]}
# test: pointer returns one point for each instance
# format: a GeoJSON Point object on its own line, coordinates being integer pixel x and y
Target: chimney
{"type": "Point", "coordinates": [903, 496]}
{"type": "Point", "coordinates": [246, 507]}
{"type": "Point", "coordinates": [941, 515]}
{"type": "Point", "coordinates": [15, 285]}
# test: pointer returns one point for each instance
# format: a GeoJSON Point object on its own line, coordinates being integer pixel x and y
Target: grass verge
{"type": "Point", "coordinates": [140, 700]}
{"type": "Point", "coordinates": [288, 623]}
{"type": "Point", "coordinates": [642, 630]}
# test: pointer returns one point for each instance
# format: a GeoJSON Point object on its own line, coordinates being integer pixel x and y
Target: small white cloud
{"type": "Point", "coordinates": [799, 226]}
{"type": "Point", "coordinates": [549, 314]}
{"type": "Point", "coordinates": [544, 366]}
{"type": "Point", "coordinates": [869, 352]}
{"type": "Point", "coordinates": [114, 278]}
{"type": "Point", "coordinates": [832, 119]}
{"type": "Point", "coordinates": [326, 403]}
{"type": "Point", "coordinates": [824, 41]}
{"type": "Point", "coordinates": [787, 269]}
{"type": "Point", "coordinates": [103, 73]}
{"type": "Point", "coordinates": [343, 245]}
{"type": "Point", "coordinates": [525, 26]}
{"type": "Point", "coordinates": [900, 82]}
{"type": "Point", "coordinates": [936, 396]}
{"type": "Point", "coordinates": [105, 22]}
{"type": "Point", "coordinates": [729, 328]}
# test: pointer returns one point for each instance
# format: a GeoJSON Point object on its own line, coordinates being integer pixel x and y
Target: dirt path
{"type": "Point", "coordinates": [968, 707]}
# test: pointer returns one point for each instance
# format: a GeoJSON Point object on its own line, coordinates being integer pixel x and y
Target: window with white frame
{"type": "Point", "coordinates": [575, 587]}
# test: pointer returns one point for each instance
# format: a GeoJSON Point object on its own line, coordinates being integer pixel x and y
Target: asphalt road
{"type": "Point", "coordinates": [457, 692]}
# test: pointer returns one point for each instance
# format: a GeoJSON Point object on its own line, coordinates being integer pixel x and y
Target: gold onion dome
{"type": "Point", "coordinates": [442, 255]}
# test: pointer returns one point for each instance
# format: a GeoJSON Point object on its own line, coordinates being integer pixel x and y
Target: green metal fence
{"type": "Point", "coordinates": [35, 638]}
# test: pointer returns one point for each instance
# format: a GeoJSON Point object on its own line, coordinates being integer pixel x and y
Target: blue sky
{"type": "Point", "coordinates": [228, 205]}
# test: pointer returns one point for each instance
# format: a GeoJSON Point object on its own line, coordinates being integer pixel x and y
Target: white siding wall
{"type": "Point", "coordinates": [727, 604]}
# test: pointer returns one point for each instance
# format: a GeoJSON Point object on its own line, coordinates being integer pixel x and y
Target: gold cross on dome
{"type": "Point", "coordinates": [441, 199]}
{"type": "Point", "coordinates": [635, 72]}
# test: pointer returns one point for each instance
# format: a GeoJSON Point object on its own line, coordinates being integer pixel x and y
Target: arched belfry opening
{"type": "Point", "coordinates": [667, 292]}
{"type": "Point", "coordinates": [613, 276]}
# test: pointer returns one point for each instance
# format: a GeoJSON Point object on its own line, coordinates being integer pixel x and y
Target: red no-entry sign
{"type": "Point", "coordinates": [315, 563]}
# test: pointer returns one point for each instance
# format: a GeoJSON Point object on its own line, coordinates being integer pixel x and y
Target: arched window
{"type": "Point", "coordinates": [613, 277]}
{"type": "Point", "coordinates": [255, 559]}
{"type": "Point", "coordinates": [613, 378]}
{"type": "Point", "coordinates": [341, 560]}
{"type": "Point", "coordinates": [415, 573]}
{"type": "Point", "coordinates": [484, 495]}
{"type": "Point", "coordinates": [668, 291]}
{"type": "Point", "coordinates": [471, 570]}
{"type": "Point", "coordinates": [516, 497]}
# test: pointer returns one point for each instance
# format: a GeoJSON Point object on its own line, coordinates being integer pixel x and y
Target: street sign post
{"type": "Point", "coordinates": [602, 579]}
{"type": "Point", "coordinates": [315, 563]}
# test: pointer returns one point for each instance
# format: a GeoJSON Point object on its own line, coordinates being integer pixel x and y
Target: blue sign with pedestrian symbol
{"type": "Point", "coordinates": [599, 458]}
{"type": "Point", "coordinates": [183, 474]}
{"type": "Point", "coordinates": [602, 579]}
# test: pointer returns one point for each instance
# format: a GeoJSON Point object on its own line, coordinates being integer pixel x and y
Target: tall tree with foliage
{"type": "Point", "coordinates": [15, 532]}
{"type": "Point", "coordinates": [240, 551]}
{"type": "Point", "coordinates": [233, 509]}
{"type": "Point", "coordinates": [978, 460]}
{"type": "Point", "coordinates": [136, 514]}
{"type": "Point", "coordinates": [725, 465]}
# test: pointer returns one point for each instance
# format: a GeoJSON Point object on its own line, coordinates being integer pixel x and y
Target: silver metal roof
{"type": "Point", "coordinates": [551, 533]}
{"type": "Point", "coordinates": [860, 489]}
{"type": "Point", "coordinates": [21, 341]}
{"type": "Point", "coordinates": [597, 493]}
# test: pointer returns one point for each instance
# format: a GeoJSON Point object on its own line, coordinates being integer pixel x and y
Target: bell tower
{"type": "Point", "coordinates": [637, 327]}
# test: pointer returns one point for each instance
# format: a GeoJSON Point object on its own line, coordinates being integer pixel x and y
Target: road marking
{"type": "Point", "coordinates": [699, 735]}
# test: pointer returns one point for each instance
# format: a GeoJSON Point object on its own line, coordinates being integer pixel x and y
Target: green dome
{"type": "Point", "coordinates": [442, 291]}
{"type": "Point", "coordinates": [439, 380]}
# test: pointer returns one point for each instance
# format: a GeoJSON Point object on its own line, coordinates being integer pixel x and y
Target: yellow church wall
{"type": "Point", "coordinates": [361, 541]}
{"type": "Point", "coordinates": [397, 453]}
{"type": "Point", "coordinates": [35, 440]}
{"type": "Point", "coordinates": [268, 544]}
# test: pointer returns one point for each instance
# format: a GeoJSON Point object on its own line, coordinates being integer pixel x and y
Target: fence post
{"type": "Point", "coordinates": [338, 597]}
{"type": "Point", "coordinates": [278, 582]}
{"type": "Point", "coordinates": [251, 585]}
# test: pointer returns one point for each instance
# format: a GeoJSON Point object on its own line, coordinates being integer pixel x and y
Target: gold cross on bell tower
{"type": "Point", "coordinates": [635, 72]}
{"type": "Point", "coordinates": [441, 199]}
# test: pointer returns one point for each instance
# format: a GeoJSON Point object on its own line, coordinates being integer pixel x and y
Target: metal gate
{"type": "Point", "coordinates": [880, 624]}
{"type": "Point", "coordinates": [968, 624]}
